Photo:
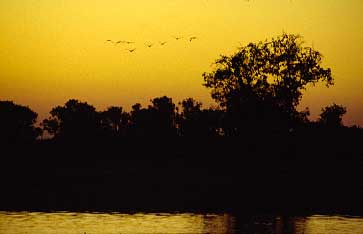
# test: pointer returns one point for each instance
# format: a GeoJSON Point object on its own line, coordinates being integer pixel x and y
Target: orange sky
{"type": "Point", "coordinates": [51, 51]}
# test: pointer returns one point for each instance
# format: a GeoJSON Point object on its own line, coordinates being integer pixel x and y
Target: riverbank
{"type": "Point", "coordinates": [271, 175]}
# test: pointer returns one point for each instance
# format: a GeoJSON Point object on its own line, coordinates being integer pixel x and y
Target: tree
{"type": "Point", "coordinates": [159, 119]}
{"type": "Point", "coordinates": [140, 121]}
{"type": "Point", "coordinates": [17, 123]}
{"type": "Point", "coordinates": [163, 113]}
{"type": "Point", "coordinates": [74, 120]}
{"type": "Point", "coordinates": [195, 121]}
{"type": "Point", "coordinates": [331, 116]}
{"type": "Point", "coordinates": [190, 122]}
{"type": "Point", "coordinates": [115, 121]}
{"type": "Point", "coordinates": [261, 85]}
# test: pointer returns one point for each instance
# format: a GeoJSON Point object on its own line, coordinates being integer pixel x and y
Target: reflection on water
{"type": "Point", "coordinates": [116, 223]}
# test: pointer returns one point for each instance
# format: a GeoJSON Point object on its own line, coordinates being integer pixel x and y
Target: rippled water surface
{"type": "Point", "coordinates": [117, 223]}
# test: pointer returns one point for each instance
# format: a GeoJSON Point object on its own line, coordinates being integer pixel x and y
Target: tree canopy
{"type": "Point", "coordinates": [195, 121]}
{"type": "Point", "coordinates": [115, 121]}
{"type": "Point", "coordinates": [263, 82]}
{"type": "Point", "coordinates": [158, 119]}
{"type": "Point", "coordinates": [73, 120]}
{"type": "Point", "coordinates": [17, 123]}
{"type": "Point", "coordinates": [332, 115]}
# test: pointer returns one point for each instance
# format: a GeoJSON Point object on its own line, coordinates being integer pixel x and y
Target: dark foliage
{"type": "Point", "coordinates": [115, 121]}
{"type": "Point", "coordinates": [194, 121]}
{"type": "Point", "coordinates": [17, 123]}
{"type": "Point", "coordinates": [261, 85]}
{"type": "Point", "coordinates": [75, 120]}
{"type": "Point", "coordinates": [159, 119]}
{"type": "Point", "coordinates": [331, 116]}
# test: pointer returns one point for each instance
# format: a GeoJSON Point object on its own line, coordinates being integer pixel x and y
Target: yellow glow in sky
{"type": "Point", "coordinates": [51, 51]}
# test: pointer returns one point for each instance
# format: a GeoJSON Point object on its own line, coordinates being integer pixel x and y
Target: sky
{"type": "Point", "coordinates": [51, 51]}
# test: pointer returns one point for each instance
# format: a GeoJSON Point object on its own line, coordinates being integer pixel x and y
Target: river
{"type": "Point", "coordinates": [173, 223]}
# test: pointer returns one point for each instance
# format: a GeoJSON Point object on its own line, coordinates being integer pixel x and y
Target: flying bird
{"type": "Point", "coordinates": [177, 38]}
{"type": "Point", "coordinates": [124, 42]}
{"type": "Point", "coordinates": [109, 41]}
{"type": "Point", "coordinates": [131, 50]}
{"type": "Point", "coordinates": [149, 45]}
{"type": "Point", "coordinates": [192, 38]}
{"type": "Point", "coordinates": [163, 42]}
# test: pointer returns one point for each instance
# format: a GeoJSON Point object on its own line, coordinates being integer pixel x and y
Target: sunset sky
{"type": "Point", "coordinates": [51, 51]}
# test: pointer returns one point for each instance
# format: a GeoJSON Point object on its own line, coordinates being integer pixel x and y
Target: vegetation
{"type": "Point", "coordinates": [258, 90]}
{"type": "Point", "coordinates": [331, 116]}
{"type": "Point", "coordinates": [261, 85]}
{"type": "Point", "coordinates": [79, 120]}
{"type": "Point", "coordinates": [73, 120]}
{"type": "Point", "coordinates": [17, 123]}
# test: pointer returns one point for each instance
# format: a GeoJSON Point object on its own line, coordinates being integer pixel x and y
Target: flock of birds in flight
{"type": "Point", "coordinates": [148, 45]}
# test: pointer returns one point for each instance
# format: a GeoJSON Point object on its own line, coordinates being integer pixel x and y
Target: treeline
{"type": "Point", "coordinates": [258, 90]}
{"type": "Point", "coordinates": [80, 120]}
{"type": "Point", "coordinates": [312, 166]}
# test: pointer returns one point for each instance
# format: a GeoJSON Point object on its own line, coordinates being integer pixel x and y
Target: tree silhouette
{"type": "Point", "coordinates": [17, 123]}
{"type": "Point", "coordinates": [163, 113]}
{"type": "Point", "coordinates": [74, 120]}
{"type": "Point", "coordinates": [115, 121]}
{"type": "Point", "coordinates": [194, 121]}
{"type": "Point", "coordinates": [190, 117]}
{"type": "Point", "coordinates": [140, 121]}
{"type": "Point", "coordinates": [261, 85]}
{"type": "Point", "coordinates": [159, 119]}
{"type": "Point", "coordinates": [331, 116]}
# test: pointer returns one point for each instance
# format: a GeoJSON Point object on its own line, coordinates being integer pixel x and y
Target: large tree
{"type": "Point", "coordinates": [17, 123]}
{"type": "Point", "coordinates": [74, 120]}
{"type": "Point", "coordinates": [261, 85]}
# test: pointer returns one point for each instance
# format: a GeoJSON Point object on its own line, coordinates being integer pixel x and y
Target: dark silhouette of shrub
{"type": "Point", "coordinates": [331, 116]}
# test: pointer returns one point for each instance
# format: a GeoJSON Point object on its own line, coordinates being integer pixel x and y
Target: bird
{"type": "Point", "coordinates": [192, 38]}
{"type": "Point", "coordinates": [149, 45]}
{"type": "Point", "coordinates": [109, 41]}
{"type": "Point", "coordinates": [177, 38]}
{"type": "Point", "coordinates": [131, 50]}
{"type": "Point", "coordinates": [163, 42]}
{"type": "Point", "coordinates": [124, 42]}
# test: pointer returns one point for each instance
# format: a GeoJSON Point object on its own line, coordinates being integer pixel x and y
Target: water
{"type": "Point", "coordinates": [174, 223]}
